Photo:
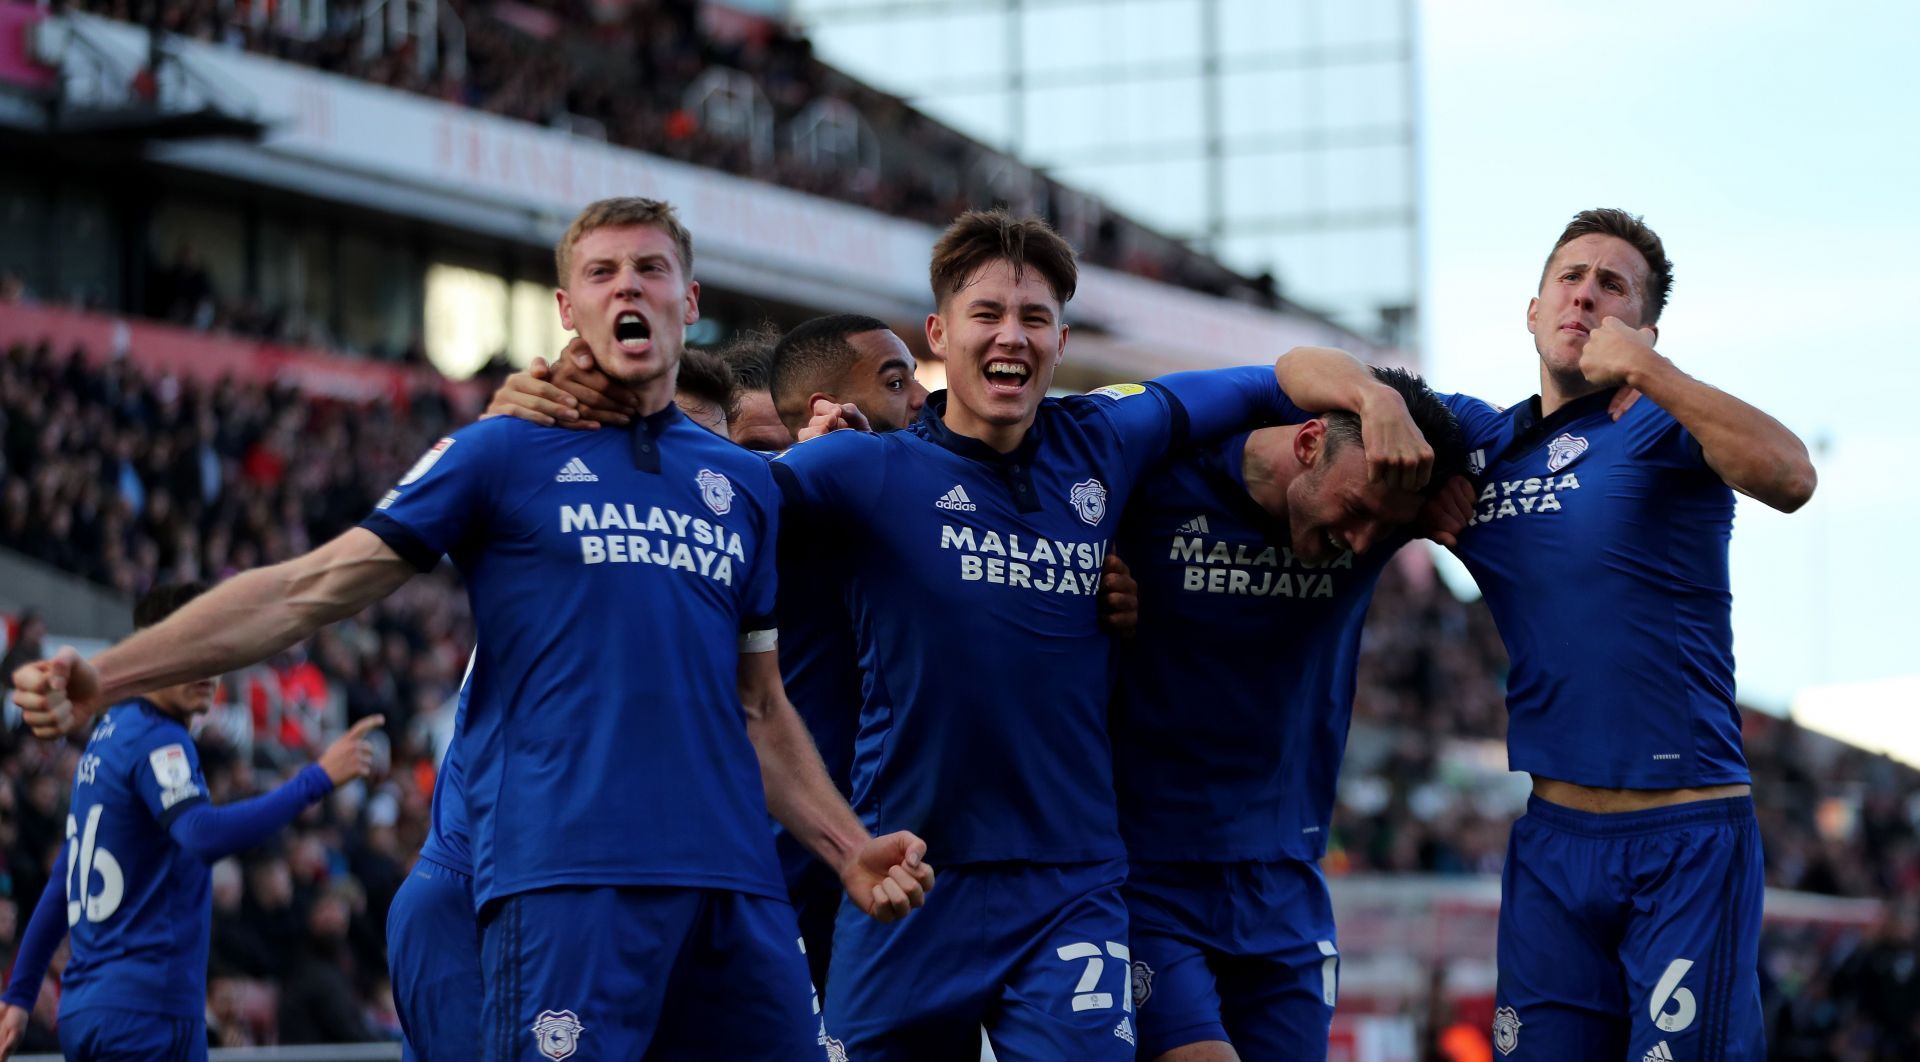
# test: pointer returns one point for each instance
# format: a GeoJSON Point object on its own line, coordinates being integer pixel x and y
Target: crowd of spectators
{"type": "Point", "coordinates": [626, 70]}
{"type": "Point", "coordinates": [125, 477]}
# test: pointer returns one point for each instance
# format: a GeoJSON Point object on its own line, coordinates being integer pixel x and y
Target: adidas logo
{"type": "Point", "coordinates": [1195, 526]}
{"type": "Point", "coordinates": [957, 500]}
{"type": "Point", "coordinates": [575, 471]}
{"type": "Point", "coordinates": [1660, 1053]}
{"type": "Point", "coordinates": [1124, 1030]}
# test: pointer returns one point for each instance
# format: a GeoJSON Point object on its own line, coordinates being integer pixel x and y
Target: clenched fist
{"type": "Point", "coordinates": [1615, 353]}
{"type": "Point", "coordinates": [56, 696]}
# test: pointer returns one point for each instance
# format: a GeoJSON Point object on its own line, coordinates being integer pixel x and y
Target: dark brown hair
{"type": "Point", "coordinates": [1610, 221]}
{"type": "Point", "coordinates": [817, 355]}
{"type": "Point", "coordinates": [164, 600]}
{"type": "Point", "coordinates": [980, 237]}
{"type": "Point", "coordinates": [707, 377]}
{"type": "Point", "coordinates": [1429, 413]}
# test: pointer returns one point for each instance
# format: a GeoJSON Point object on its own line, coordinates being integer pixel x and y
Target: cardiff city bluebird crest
{"type": "Point", "coordinates": [1561, 452]}
{"type": "Point", "coordinates": [1089, 499]}
{"type": "Point", "coordinates": [1142, 983]}
{"type": "Point", "coordinates": [715, 491]}
{"type": "Point", "coordinates": [558, 1033]}
{"type": "Point", "coordinates": [1506, 1030]}
{"type": "Point", "coordinates": [836, 1051]}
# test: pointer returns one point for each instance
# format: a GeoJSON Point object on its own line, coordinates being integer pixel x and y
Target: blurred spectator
{"type": "Point", "coordinates": [24, 645]}
{"type": "Point", "coordinates": [76, 439]}
{"type": "Point", "coordinates": [317, 996]}
{"type": "Point", "coordinates": [632, 72]}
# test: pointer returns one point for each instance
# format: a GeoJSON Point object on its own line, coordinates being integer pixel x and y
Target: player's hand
{"type": "Point", "coordinates": [1119, 597]}
{"type": "Point", "coordinates": [351, 756]}
{"type": "Point", "coordinates": [603, 400]}
{"type": "Point", "coordinates": [828, 417]}
{"type": "Point", "coordinates": [13, 1025]}
{"type": "Point", "coordinates": [1447, 513]}
{"type": "Point", "coordinates": [1623, 400]}
{"type": "Point", "coordinates": [1397, 454]}
{"type": "Point", "coordinates": [571, 393]}
{"type": "Point", "coordinates": [531, 396]}
{"type": "Point", "coordinates": [889, 877]}
{"type": "Point", "coordinates": [1614, 352]}
{"type": "Point", "coordinates": [56, 696]}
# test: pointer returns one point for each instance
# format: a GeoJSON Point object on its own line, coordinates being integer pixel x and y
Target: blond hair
{"type": "Point", "coordinates": [618, 212]}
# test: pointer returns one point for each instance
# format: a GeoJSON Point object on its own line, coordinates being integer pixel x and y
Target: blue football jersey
{"type": "Point", "coordinates": [973, 578]}
{"type": "Point", "coordinates": [611, 575]}
{"type": "Point", "coordinates": [139, 907]}
{"type": "Point", "coordinates": [1232, 702]}
{"type": "Point", "coordinates": [448, 842]}
{"type": "Point", "coordinates": [819, 660]}
{"type": "Point", "coordinates": [1601, 547]}
{"type": "Point", "coordinates": [820, 668]}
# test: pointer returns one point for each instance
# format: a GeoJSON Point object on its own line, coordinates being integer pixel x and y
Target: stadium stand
{"type": "Point", "coordinates": [736, 93]}
{"type": "Point", "coordinates": [135, 474]}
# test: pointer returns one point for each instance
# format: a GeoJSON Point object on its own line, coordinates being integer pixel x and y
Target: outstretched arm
{"type": "Point", "coordinates": [214, 832]}
{"type": "Point", "coordinates": [1749, 450]}
{"type": "Point", "coordinates": [45, 930]}
{"type": "Point", "coordinates": [886, 876]}
{"type": "Point", "coordinates": [242, 621]}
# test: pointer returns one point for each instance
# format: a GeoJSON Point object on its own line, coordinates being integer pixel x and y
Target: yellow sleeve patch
{"type": "Point", "coordinates": [1119, 391]}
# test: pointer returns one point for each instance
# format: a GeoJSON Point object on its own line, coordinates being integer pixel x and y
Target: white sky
{"type": "Point", "coordinates": [1776, 148]}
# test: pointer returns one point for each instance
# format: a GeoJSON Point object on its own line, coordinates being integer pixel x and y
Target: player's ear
{"type": "Point", "coordinates": [1533, 312]}
{"type": "Point", "coordinates": [693, 303]}
{"type": "Point", "coordinates": [937, 334]}
{"type": "Point", "coordinates": [1310, 442]}
{"type": "Point", "coordinates": [566, 309]}
{"type": "Point", "coordinates": [1060, 354]}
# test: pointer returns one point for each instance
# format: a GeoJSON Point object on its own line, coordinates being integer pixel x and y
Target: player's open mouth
{"type": "Point", "coordinates": [631, 332]}
{"type": "Point", "coordinates": [1006, 377]}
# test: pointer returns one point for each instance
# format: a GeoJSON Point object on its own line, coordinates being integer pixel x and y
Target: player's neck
{"type": "Point", "coordinates": [1003, 438]}
{"type": "Point", "coordinates": [656, 394]}
{"type": "Point", "coordinates": [1557, 391]}
{"type": "Point", "coordinates": [172, 709]}
{"type": "Point", "coordinates": [1268, 467]}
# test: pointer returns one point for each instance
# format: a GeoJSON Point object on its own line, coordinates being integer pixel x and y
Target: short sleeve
{"type": "Point", "coordinates": [1216, 403]}
{"type": "Point", "coordinates": [1202, 407]}
{"type": "Point", "coordinates": [1653, 434]}
{"type": "Point", "coordinates": [1147, 422]}
{"type": "Point", "coordinates": [828, 479]}
{"type": "Point", "coordinates": [758, 596]}
{"type": "Point", "coordinates": [440, 499]}
{"type": "Point", "coordinates": [166, 774]}
{"type": "Point", "coordinates": [1480, 421]}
